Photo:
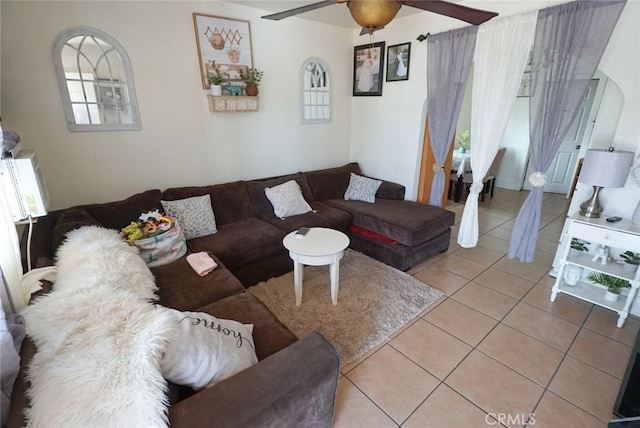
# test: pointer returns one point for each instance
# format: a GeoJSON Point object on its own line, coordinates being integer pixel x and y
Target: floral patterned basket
{"type": "Point", "coordinates": [164, 248]}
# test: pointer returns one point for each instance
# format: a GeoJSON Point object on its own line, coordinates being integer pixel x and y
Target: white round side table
{"type": "Point", "coordinates": [320, 246]}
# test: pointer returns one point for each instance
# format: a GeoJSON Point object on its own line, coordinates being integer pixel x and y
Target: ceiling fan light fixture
{"type": "Point", "coordinates": [373, 14]}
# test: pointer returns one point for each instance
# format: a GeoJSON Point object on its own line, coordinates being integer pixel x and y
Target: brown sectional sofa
{"type": "Point", "coordinates": [294, 382]}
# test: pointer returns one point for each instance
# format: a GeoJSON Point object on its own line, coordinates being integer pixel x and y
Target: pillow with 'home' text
{"type": "Point", "coordinates": [206, 349]}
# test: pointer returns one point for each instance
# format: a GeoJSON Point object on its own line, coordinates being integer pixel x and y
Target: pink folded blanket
{"type": "Point", "coordinates": [201, 262]}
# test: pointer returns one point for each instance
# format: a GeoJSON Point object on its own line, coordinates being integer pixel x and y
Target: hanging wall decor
{"type": "Point", "coordinates": [224, 46]}
{"type": "Point", "coordinates": [398, 57]}
{"type": "Point", "coordinates": [367, 69]}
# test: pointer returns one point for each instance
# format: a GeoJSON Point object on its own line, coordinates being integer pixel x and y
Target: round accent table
{"type": "Point", "coordinates": [319, 247]}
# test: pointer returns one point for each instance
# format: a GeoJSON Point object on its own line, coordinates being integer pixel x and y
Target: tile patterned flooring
{"type": "Point", "coordinates": [494, 352]}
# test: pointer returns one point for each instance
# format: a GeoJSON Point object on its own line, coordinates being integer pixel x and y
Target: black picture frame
{"type": "Point", "coordinates": [396, 71]}
{"type": "Point", "coordinates": [368, 68]}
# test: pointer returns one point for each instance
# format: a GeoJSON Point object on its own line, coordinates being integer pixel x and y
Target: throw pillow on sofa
{"type": "Point", "coordinates": [287, 199]}
{"type": "Point", "coordinates": [194, 215]}
{"type": "Point", "coordinates": [71, 219]}
{"type": "Point", "coordinates": [206, 350]}
{"type": "Point", "coordinates": [362, 188]}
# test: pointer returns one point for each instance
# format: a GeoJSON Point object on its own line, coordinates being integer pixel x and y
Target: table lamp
{"type": "Point", "coordinates": [603, 168]}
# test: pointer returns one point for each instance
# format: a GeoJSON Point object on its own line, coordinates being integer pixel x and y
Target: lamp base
{"type": "Point", "coordinates": [591, 208]}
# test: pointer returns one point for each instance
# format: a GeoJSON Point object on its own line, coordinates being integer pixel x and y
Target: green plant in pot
{"type": "Point", "coordinates": [463, 140]}
{"type": "Point", "coordinates": [613, 283]}
{"type": "Point", "coordinates": [251, 78]}
{"type": "Point", "coordinates": [216, 79]}
{"type": "Point", "coordinates": [631, 261]}
{"type": "Point", "coordinates": [578, 245]}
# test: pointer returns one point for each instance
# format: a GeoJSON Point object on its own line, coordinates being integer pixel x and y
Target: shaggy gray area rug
{"type": "Point", "coordinates": [374, 301]}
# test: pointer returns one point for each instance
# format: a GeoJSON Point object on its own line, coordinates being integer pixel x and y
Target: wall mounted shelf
{"type": "Point", "coordinates": [232, 104]}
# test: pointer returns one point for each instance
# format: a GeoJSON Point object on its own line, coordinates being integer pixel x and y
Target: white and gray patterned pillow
{"type": "Point", "coordinates": [287, 199]}
{"type": "Point", "coordinates": [362, 188]}
{"type": "Point", "coordinates": [194, 215]}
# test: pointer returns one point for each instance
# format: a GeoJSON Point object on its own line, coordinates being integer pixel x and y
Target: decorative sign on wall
{"type": "Point", "coordinates": [223, 43]}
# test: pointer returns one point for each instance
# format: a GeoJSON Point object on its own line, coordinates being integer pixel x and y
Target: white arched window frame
{"type": "Point", "coordinates": [315, 91]}
{"type": "Point", "coordinates": [95, 80]}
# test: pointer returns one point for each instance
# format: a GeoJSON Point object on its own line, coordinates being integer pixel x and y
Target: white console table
{"type": "Point", "coordinates": [618, 237]}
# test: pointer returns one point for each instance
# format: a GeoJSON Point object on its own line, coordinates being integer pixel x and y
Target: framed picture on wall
{"type": "Point", "coordinates": [367, 69]}
{"type": "Point", "coordinates": [224, 45]}
{"type": "Point", "coordinates": [398, 57]}
{"type": "Point", "coordinates": [525, 85]}
{"type": "Point", "coordinates": [111, 95]}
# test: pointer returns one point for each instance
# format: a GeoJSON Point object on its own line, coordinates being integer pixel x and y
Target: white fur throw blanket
{"type": "Point", "coordinates": [99, 339]}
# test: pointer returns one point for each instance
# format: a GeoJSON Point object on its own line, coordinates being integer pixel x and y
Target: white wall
{"type": "Point", "coordinates": [181, 142]}
{"type": "Point", "coordinates": [391, 151]}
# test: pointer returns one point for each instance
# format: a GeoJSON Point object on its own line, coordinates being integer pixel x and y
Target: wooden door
{"type": "Point", "coordinates": [426, 170]}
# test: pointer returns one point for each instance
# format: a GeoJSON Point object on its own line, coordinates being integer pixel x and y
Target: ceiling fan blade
{"type": "Point", "coordinates": [453, 10]}
{"type": "Point", "coordinates": [302, 9]}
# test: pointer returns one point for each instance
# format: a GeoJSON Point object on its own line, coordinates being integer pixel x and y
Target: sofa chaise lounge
{"type": "Point", "coordinates": [295, 380]}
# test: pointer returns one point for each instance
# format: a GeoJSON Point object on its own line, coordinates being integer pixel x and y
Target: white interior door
{"type": "Point", "coordinates": [562, 168]}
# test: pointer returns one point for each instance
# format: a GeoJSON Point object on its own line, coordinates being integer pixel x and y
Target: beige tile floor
{"type": "Point", "coordinates": [494, 351]}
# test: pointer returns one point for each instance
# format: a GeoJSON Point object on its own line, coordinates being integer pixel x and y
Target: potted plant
{"type": "Point", "coordinates": [251, 78]}
{"type": "Point", "coordinates": [631, 261]}
{"type": "Point", "coordinates": [613, 284]}
{"type": "Point", "coordinates": [216, 79]}
{"type": "Point", "coordinates": [463, 140]}
{"type": "Point", "coordinates": [577, 246]}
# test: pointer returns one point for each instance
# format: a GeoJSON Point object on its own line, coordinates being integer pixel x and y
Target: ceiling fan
{"type": "Point", "coordinates": [375, 14]}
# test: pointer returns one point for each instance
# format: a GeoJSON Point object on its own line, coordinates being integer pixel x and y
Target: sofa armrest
{"type": "Point", "coordinates": [390, 190]}
{"type": "Point", "coordinates": [294, 387]}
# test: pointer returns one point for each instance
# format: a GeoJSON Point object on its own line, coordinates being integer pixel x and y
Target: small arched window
{"type": "Point", "coordinates": [95, 80]}
{"type": "Point", "coordinates": [315, 91]}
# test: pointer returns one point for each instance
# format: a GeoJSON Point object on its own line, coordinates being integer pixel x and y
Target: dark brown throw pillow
{"type": "Point", "coordinates": [73, 218]}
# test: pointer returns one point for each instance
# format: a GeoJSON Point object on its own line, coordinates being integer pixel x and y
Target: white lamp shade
{"type": "Point", "coordinates": [606, 169]}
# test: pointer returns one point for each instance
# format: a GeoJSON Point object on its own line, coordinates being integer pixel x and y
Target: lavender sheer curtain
{"type": "Point", "coordinates": [569, 42]}
{"type": "Point", "coordinates": [449, 57]}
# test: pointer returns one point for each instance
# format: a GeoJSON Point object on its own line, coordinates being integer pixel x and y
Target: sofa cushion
{"type": "Point", "coordinates": [362, 188]}
{"type": "Point", "coordinates": [116, 215]}
{"type": "Point", "coordinates": [323, 215]}
{"type": "Point", "coordinates": [205, 350]}
{"type": "Point", "coordinates": [180, 287]}
{"type": "Point", "coordinates": [70, 219]}
{"type": "Point", "coordinates": [269, 334]}
{"type": "Point", "coordinates": [287, 199]}
{"type": "Point", "coordinates": [407, 222]}
{"type": "Point", "coordinates": [262, 207]}
{"type": "Point", "coordinates": [230, 201]}
{"type": "Point", "coordinates": [195, 215]}
{"type": "Point", "coordinates": [331, 183]}
{"type": "Point", "coordinates": [241, 242]}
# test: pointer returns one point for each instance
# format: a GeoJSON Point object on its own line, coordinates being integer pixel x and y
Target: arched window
{"type": "Point", "coordinates": [315, 91]}
{"type": "Point", "coordinates": [95, 80]}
